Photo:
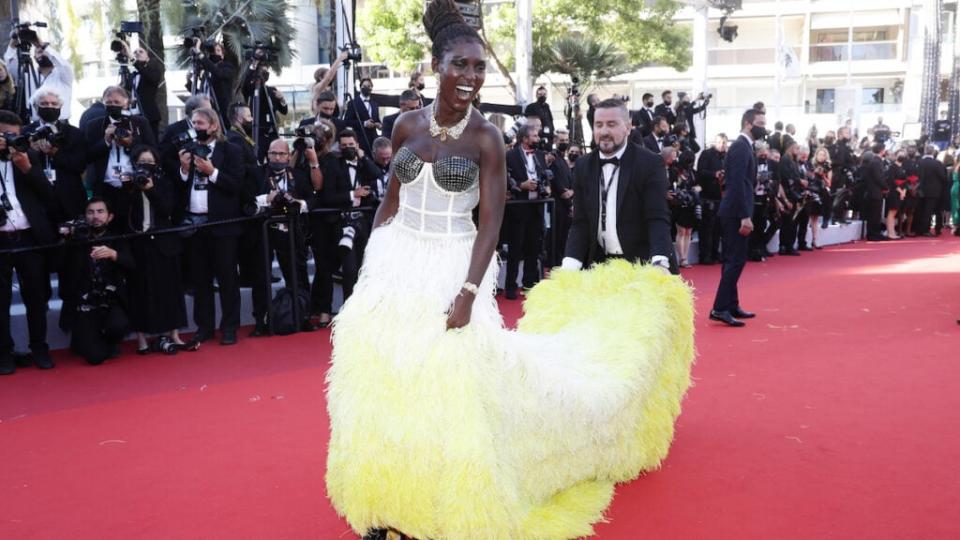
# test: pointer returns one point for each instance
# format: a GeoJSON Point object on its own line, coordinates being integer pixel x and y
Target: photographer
{"type": "Point", "coordinates": [541, 109]}
{"type": "Point", "coordinates": [53, 72]}
{"type": "Point", "coordinates": [382, 155]}
{"type": "Point", "coordinates": [665, 109]}
{"type": "Point", "coordinates": [110, 141]}
{"type": "Point", "coordinates": [145, 84]}
{"type": "Point", "coordinates": [643, 119]}
{"type": "Point", "coordinates": [416, 85]}
{"type": "Point", "coordinates": [272, 102]}
{"type": "Point", "coordinates": [325, 76]}
{"type": "Point", "coordinates": [686, 110]}
{"type": "Point", "coordinates": [94, 291]}
{"type": "Point", "coordinates": [524, 224]}
{"type": "Point", "coordinates": [409, 101]}
{"type": "Point", "coordinates": [175, 131]}
{"type": "Point", "coordinates": [768, 203]}
{"type": "Point", "coordinates": [64, 154]}
{"type": "Point", "coordinates": [324, 108]}
{"type": "Point", "coordinates": [157, 304]}
{"type": "Point", "coordinates": [211, 174]}
{"type": "Point", "coordinates": [793, 183]}
{"type": "Point", "coordinates": [286, 191]}
{"type": "Point", "coordinates": [656, 140]}
{"type": "Point", "coordinates": [25, 195]}
{"type": "Point", "coordinates": [592, 101]}
{"type": "Point", "coordinates": [339, 240]}
{"type": "Point", "coordinates": [363, 115]}
{"type": "Point", "coordinates": [684, 199]}
{"type": "Point", "coordinates": [710, 180]}
{"type": "Point", "coordinates": [562, 189]}
{"type": "Point", "coordinates": [222, 73]}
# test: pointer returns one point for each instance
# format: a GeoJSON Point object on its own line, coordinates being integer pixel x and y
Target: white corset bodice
{"type": "Point", "coordinates": [437, 198]}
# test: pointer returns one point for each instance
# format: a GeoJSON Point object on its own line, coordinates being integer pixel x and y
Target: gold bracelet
{"type": "Point", "coordinates": [471, 288]}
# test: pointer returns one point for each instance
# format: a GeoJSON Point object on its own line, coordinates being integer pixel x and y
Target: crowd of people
{"type": "Point", "coordinates": [138, 216]}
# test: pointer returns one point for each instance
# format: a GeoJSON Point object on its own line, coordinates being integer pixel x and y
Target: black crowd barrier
{"type": "Point", "coordinates": [267, 220]}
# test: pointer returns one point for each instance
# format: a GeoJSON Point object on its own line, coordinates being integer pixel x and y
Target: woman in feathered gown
{"type": "Point", "coordinates": [444, 424]}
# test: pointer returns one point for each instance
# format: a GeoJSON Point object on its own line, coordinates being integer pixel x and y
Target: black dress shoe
{"type": "Point", "coordinates": [261, 330]}
{"type": "Point", "coordinates": [510, 294]}
{"type": "Point", "coordinates": [42, 360]}
{"type": "Point", "coordinates": [202, 335]}
{"type": "Point", "coordinates": [771, 254]}
{"type": "Point", "coordinates": [927, 235]}
{"type": "Point", "coordinates": [229, 337]}
{"type": "Point", "coordinates": [708, 262]}
{"type": "Point", "coordinates": [308, 326]}
{"type": "Point", "coordinates": [791, 253]}
{"type": "Point", "coordinates": [726, 318]}
{"type": "Point", "coordinates": [7, 366]}
{"type": "Point", "coordinates": [806, 248]}
{"type": "Point", "coordinates": [22, 359]}
{"type": "Point", "coordinates": [741, 314]}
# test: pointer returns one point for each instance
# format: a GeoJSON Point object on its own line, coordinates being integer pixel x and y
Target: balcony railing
{"type": "Point", "coordinates": [861, 51]}
{"type": "Point", "coordinates": [729, 57]}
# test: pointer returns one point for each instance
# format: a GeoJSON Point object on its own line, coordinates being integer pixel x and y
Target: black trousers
{"type": "Point", "coordinates": [280, 246]}
{"type": "Point", "coordinates": [564, 221]}
{"type": "Point", "coordinates": [874, 209]}
{"type": "Point", "coordinates": [929, 207]}
{"type": "Point", "coordinates": [788, 231]}
{"type": "Point", "coordinates": [709, 231]}
{"type": "Point", "coordinates": [524, 243]}
{"type": "Point", "coordinates": [34, 286]}
{"type": "Point", "coordinates": [763, 230]}
{"type": "Point", "coordinates": [734, 259]}
{"type": "Point", "coordinates": [253, 269]}
{"type": "Point", "coordinates": [96, 333]}
{"type": "Point", "coordinates": [214, 257]}
{"type": "Point", "coordinates": [328, 256]}
{"type": "Point", "coordinates": [803, 222]}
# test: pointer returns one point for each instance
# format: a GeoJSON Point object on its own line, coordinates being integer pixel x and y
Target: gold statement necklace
{"type": "Point", "coordinates": [454, 131]}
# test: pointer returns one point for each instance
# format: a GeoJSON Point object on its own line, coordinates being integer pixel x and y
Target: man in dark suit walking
{"type": "Point", "coordinates": [363, 115]}
{"type": "Point", "coordinates": [736, 211]}
{"type": "Point", "coordinates": [933, 178]}
{"type": "Point", "coordinates": [620, 198]}
{"type": "Point", "coordinates": [409, 101]}
{"type": "Point", "coordinates": [665, 109]}
{"type": "Point", "coordinates": [654, 141]}
{"type": "Point", "coordinates": [643, 119]}
{"type": "Point", "coordinates": [524, 223]}
{"type": "Point", "coordinates": [875, 183]}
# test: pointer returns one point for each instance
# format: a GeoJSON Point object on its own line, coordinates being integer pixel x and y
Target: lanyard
{"type": "Point", "coordinates": [604, 191]}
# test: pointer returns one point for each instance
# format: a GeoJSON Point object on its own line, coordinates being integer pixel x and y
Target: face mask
{"type": "Point", "coordinates": [147, 167]}
{"type": "Point", "coordinates": [648, 104]}
{"type": "Point", "coordinates": [421, 86]}
{"type": "Point", "coordinates": [563, 147]}
{"type": "Point", "coordinates": [216, 58]}
{"type": "Point", "coordinates": [365, 92]}
{"type": "Point", "coordinates": [758, 133]}
{"type": "Point", "coordinates": [573, 156]}
{"type": "Point", "coordinates": [541, 99]}
{"type": "Point", "coordinates": [277, 167]}
{"type": "Point", "coordinates": [325, 115]}
{"type": "Point", "coordinates": [202, 135]}
{"type": "Point", "coordinates": [48, 114]}
{"type": "Point", "coordinates": [44, 62]}
{"type": "Point", "coordinates": [114, 111]}
{"type": "Point", "coordinates": [348, 154]}
{"type": "Point", "coordinates": [247, 128]}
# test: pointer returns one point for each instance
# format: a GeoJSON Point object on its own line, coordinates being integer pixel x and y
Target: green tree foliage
{"type": "Point", "coordinates": [391, 32]}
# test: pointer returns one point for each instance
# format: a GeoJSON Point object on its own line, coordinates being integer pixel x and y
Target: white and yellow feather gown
{"type": "Point", "coordinates": [489, 433]}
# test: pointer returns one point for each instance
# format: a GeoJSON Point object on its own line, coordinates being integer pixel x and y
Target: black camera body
{"type": "Point", "coordinates": [20, 143]}
{"type": "Point", "coordinates": [284, 204]}
{"type": "Point", "coordinates": [198, 149]}
{"type": "Point", "coordinates": [51, 134]}
{"type": "Point", "coordinates": [304, 139]}
{"type": "Point", "coordinates": [124, 128]}
{"type": "Point", "coordinates": [75, 229]}
{"type": "Point", "coordinates": [25, 35]}
{"type": "Point", "coordinates": [259, 52]}
{"type": "Point", "coordinates": [354, 53]}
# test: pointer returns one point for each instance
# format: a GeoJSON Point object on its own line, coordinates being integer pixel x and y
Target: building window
{"type": "Point", "coordinates": [872, 96]}
{"type": "Point", "coordinates": [873, 43]}
{"type": "Point", "coordinates": [825, 100]}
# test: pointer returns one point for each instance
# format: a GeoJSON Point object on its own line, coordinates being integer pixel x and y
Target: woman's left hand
{"type": "Point", "coordinates": [459, 314]}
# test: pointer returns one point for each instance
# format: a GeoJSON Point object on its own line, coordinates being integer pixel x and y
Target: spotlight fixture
{"type": "Point", "coordinates": [728, 32]}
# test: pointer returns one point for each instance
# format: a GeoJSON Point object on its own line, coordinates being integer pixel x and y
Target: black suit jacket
{"type": "Point", "coordinates": [151, 75]}
{"type": "Point", "coordinates": [223, 75]}
{"type": "Point", "coordinates": [337, 187]}
{"type": "Point", "coordinates": [709, 163]}
{"type": "Point", "coordinates": [643, 119]}
{"type": "Point", "coordinates": [357, 115]}
{"type": "Point", "coordinates": [650, 143]}
{"type": "Point", "coordinates": [667, 112]}
{"type": "Point", "coordinates": [517, 170]}
{"type": "Point", "coordinates": [545, 115]}
{"type": "Point", "coordinates": [933, 177]}
{"type": "Point", "coordinates": [223, 196]}
{"type": "Point", "coordinates": [78, 279]}
{"type": "Point", "coordinates": [388, 122]}
{"type": "Point", "coordinates": [36, 197]}
{"type": "Point", "coordinates": [874, 178]}
{"type": "Point", "coordinates": [790, 176]}
{"type": "Point", "coordinates": [69, 162]}
{"type": "Point", "coordinates": [643, 218]}
{"type": "Point", "coordinates": [299, 185]}
{"type": "Point", "coordinates": [739, 180]}
{"type": "Point", "coordinates": [162, 208]}
{"type": "Point", "coordinates": [776, 141]}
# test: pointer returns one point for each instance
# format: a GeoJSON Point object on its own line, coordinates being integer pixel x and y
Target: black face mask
{"type": "Point", "coordinates": [563, 147]}
{"type": "Point", "coordinates": [573, 156]}
{"type": "Point", "coordinates": [277, 167]}
{"type": "Point", "coordinates": [421, 86]}
{"type": "Point", "coordinates": [758, 133]}
{"type": "Point", "coordinates": [114, 111]}
{"type": "Point", "coordinates": [247, 128]}
{"type": "Point", "coordinates": [147, 167]}
{"type": "Point", "coordinates": [202, 135]}
{"type": "Point", "coordinates": [349, 154]}
{"type": "Point", "coordinates": [48, 114]}
{"type": "Point", "coordinates": [541, 99]}
{"type": "Point", "coordinates": [216, 58]}
{"type": "Point", "coordinates": [44, 62]}
{"type": "Point", "coordinates": [365, 92]}
{"type": "Point", "coordinates": [326, 116]}
{"type": "Point", "coordinates": [648, 104]}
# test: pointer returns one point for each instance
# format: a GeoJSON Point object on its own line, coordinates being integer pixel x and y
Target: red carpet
{"type": "Point", "coordinates": [832, 415]}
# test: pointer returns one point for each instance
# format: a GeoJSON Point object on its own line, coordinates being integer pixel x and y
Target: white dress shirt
{"type": "Point", "coordinates": [530, 160]}
{"type": "Point", "coordinates": [16, 219]}
{"type": "Point", "coordinates": [199, 195]}
{"type": "Point", "coordinates": [60, 79]}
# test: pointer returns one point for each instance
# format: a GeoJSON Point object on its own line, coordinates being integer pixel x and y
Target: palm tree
{"type": "Point", "coordinates": [930, 92]}
{"type": "Point", "coordinates": [582, 58]}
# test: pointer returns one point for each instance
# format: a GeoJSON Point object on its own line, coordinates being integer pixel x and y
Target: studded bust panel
{"type": "Point", "coordinates": [452, 173]}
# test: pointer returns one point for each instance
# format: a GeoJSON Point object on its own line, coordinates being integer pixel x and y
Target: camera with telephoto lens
{"type": "Point", "coordinates": [24, 35]}
{"type": "Point", "coordinates": [75, 229]}
{"type": "Point", "coordinates": [50, 133]}
{"type": "Point", "coordinates": [119, 43]}
{"type": "Point", "coordinates": [305, 137]}
{"type": "Point", "coordinates": [284, 204]}
{"type": "Point", "coordinates": [124, 127]}
{"type": "Point", "coordinates": [259, 52]}
{"type": "Point", "coordinates": [187, 141]}
{"type": "Point", "coordinates": [354, 53]}
{"type": "Point", "coordinates": [20, 143]}
{"type": "Point", "coordinates": [196, 35]}
{"type": "Point", "coordinates": [103, 288]}
{"type": "Point", "coordinates": [352, 222]}
{"type": "Point", "coordinates": [142, 176]}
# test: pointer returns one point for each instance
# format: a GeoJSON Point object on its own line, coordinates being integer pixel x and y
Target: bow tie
{"type": "Point", "coordinates": [615, 161]}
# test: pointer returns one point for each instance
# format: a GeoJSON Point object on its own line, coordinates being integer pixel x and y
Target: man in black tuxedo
{"type": "Point", "coordinates": [655, 140]}
{"type": "Point", "coordinates": [169, 157]}
{"type": "Point", "coordinates": [409, 101]}
{"type": "Point", "coordinates": [223, 74]}
{"type": "Point", "coordinates": [643, 119]}
{"type": "Point", "coordinates": [144, 87]}
{"type": "Point", "coordinates": [793, 184]}
{"type": "Point", "coordinates": [620, 198]}
{"type": "Point", "coordinates": [562, 190]}
{"type": "Point", "coordinates": [775, 140]}
{"type": "Point", "coordinates": [63, 154]}
{"type": "Point", "coordinates": [687, 109]}
{"type": "Point", "coordinates": [665, 109]}
{"type": "Point", "coordinates": [736, 213]}
{"type": "Point", "coordinates": [541, 109]}
{"type": "Point", "coordinates": [710, 180]}
{"type": "Point", "coordinates": [524, 223]}
{"type": "Point", "coordinates": [210, 191]}
{"type": "Point", "coordinates": [25, 195]}
{"type": "Point", "coordinates": [363, 115]}
{"type": "Point", "coordinates": [874, 178]}
{"type": "Point", "coordinates": [110, 141]}
{"type": "Point", "coordinates": [325, 108]}
{"type": "Point", "coordinates": [933, 179]}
